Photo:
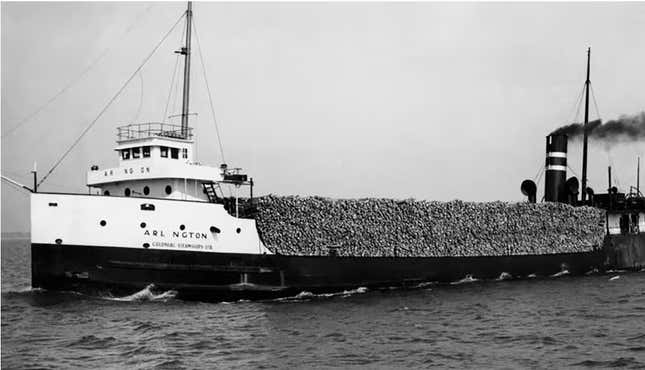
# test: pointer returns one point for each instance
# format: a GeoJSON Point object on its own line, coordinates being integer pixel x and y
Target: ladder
{"type": "Point", "coordinates": [210, 190]}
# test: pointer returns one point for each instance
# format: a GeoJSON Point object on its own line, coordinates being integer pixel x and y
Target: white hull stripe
{"type": "Point", "coordinates": [556, 154]}
{"type": "Point", "coordinates": [554, 167]}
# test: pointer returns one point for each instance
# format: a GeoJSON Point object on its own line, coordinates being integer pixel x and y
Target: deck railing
{"type": "Point", "coordinates": [152, 129]}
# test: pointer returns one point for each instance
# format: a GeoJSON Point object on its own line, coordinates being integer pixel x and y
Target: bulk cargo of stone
{"type": "Point", "coordinates": [312, 226]}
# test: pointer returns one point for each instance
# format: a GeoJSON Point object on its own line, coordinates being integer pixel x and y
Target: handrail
{"type": "Point", "coordinates": [152, 129]}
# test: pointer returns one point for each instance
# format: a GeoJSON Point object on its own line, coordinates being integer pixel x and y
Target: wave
{"type": "Point", "coordinates": [145, 294]}
{"type": "Point", "coordinates": [424, 285]}
{"type": "Point", "coordinates": [504, 276]}
{"type": "Point", "coordinates": [467, 279]}
{"type": "Point", "coordinates": [591, 272]}
{"type": "Point", "coordinates": [306, 296]}
{"type": "Point", "coordinates": [614, 278]}
{"type": "Point", "coordinates": [561, 273]}
{"type": "Point", "coordinates": [22, 291]}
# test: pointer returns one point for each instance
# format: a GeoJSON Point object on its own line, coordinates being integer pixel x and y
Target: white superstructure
{"type": "Point", "coordinates": [154, 161]}
{"type": "Point", "coordinates": [158, 197]}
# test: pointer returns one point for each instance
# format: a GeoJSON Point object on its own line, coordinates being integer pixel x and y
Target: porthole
{"type": "Point", "coordinates": [168, 189]}
{"type": "Point", "coordinates": [127, 192]}
{"type": "Point", "coordinates": [106, 193]}
{"type": "Point", "coordinates": [143, 225]}
{"type": "Point", "coordinates": [59, 241]}
{"type": "Point", "coordinates": [238, 230]}
{"type": "Point", "coordinates": [215, 230]}
{"type": "Point", "coordinates": [146, 245]}
{"type": "Point", "coordinates": [103, 223]}
{"type": "Point", "coordinates": [182, 227]}
{"type": "Point", "coordinates": [146, 190]}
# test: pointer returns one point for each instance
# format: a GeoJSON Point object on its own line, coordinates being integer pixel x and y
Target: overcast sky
{"type": "Point", "coordinates": [434, 101]}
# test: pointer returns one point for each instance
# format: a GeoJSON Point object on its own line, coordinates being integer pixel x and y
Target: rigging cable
{"type": "Point", "coordinates": [574, 172]}
{"type": "Point", "coordinates": [595, 103]}
{"type": "Point", "coordinates": [210, 98]}
{"type": "Point", "coordinates": [177, 88]}
{"type": "Point", "coordinates": [172, 82]}
{"type": "Point", "coordinates": [539, 179]}
{"type": "Point", "coordinates": [173, 87]}
{"type": "Point", "coordinates": [577, 105]}
{"type": "Point", "coordinates": [73, 81]}
{"type": "Point", "coordinates": [136, 116]}
{"type": "Point", "coordinates": [540, 169]}
{"type": "Point", "coordinates": [58, 162]}
{"type": "Point", "coordinates": [16, 184]}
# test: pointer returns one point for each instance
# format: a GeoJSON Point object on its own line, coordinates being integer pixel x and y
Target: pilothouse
{"type": "Point", "coordinates": [157, 159]}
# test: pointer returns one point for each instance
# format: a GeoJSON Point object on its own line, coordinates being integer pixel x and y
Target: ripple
{"type": "Point", "coordinates": [93, 342]}
{"type": "Point", "coordinates": [529, 323]}
{"type": "Point", "coordinates": [468, 279]}
{"type": "Point", "coordinates": [630, 362]}
{"type": "Point", "coordinates": [145, 294]}
{"type": "Point", "coordinates": [307, 296]}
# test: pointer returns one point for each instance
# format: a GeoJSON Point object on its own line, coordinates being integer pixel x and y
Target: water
{"type": "Point", "coordinates": [594, 321]}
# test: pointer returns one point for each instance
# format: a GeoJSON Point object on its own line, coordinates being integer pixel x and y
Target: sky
{"type": "Point", "coordinates": [435, 101]}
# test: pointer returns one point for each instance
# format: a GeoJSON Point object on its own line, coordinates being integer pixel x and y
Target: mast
{"type": "Point", "coordinates": [185, 51]}
{"type": "Point", "coordinates": [638, 177]}
{"type": "Point", "coordinates": [585, 136]}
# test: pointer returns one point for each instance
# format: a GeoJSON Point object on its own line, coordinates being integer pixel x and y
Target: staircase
{"type": "Point", "coordinates": [210, 190]}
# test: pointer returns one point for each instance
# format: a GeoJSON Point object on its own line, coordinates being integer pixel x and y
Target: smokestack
{"type": "Point", "coordinates": [555, 189]}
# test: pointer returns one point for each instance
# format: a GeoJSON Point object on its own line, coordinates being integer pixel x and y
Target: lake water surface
{"type": "Point", "coordinates": [594, 321]}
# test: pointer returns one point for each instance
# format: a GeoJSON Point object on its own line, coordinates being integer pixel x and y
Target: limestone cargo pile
{"type": "Point", "coordinates": [295, 225]}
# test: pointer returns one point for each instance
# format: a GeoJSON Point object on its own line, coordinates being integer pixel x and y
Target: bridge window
{"type": "Point", "coordinates": [136, 153]}
{"type": "Point", "coordinates": [146, 151]}
{"type": "Point", "coordinates": [164, 151]}
{"type": "Point", "coordinates": [125, 154]}
{"type": "Point", "coordinates": [184, 153]}
{"type": "Point", "coordinates": [174, 153]}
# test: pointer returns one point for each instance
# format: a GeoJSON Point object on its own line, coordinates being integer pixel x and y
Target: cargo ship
{"type": "Point", "coordinates": [160, 217]}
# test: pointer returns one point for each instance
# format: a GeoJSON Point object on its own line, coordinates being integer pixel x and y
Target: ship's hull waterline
{"type": "Point", "coordinates": [227, 276]}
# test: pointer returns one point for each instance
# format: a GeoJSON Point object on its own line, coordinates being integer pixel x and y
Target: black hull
{"type": "Point", "coordinates": [224, 276]}
{"type": "Point", "coordinates": [625, 251]}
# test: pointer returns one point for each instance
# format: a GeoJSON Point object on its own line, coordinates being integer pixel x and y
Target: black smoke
{"type": "Point", "coordinates": [625, 128]}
